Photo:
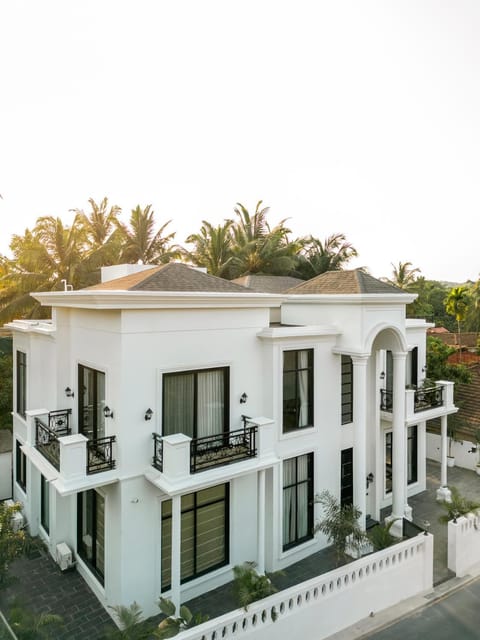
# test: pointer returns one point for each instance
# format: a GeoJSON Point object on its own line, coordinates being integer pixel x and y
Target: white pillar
{"type": "Point", "coordinates": [261, 522]}
{"type": "Point", "coordinates": [399, 478]}
{"type": "Point", "coordinates": [176, 549]}
{"type": "Point", "coordinates": [443, 493]}
{"type": "Point", "coordinates": [360, 435]}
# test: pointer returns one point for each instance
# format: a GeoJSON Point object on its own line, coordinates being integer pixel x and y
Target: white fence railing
{"type": "Point", "coordinates": [332, 601]}
{"type": "Point", "coordinates": [464, 544]}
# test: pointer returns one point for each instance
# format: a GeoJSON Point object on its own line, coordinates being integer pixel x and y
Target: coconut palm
{"type": "Point", "coordinates": [141, 243]}
{"type": "Point", "coordinates": [212, 248]}
{"type": "Point", "coordinates": [316, 257]}
{"type": "Point", "coordinates": [456, 304]}
{"type": "Point", "coordinates": [403, 275]}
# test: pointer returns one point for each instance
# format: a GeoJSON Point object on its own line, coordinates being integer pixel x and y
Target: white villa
{"type": "Point", "coordinates": [169, 424]}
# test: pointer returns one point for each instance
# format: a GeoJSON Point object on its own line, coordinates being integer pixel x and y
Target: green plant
{"type": "Point", "coordinates": [171, 625]}
{"type": "Point", "coordinates": [380, 536]}
{"type": "Point", "coordinates": [340, 524]}
{"type": "Point", "coordinates": [250, 586]}
{"type": "Point", "coordinates": [28, 625]}
{"type": "Point", "coordinates": [130, 623]}
{"type": "Point", "coordinates": [458, 506]}
{"type": "Point", "coordinates": [12, 541]}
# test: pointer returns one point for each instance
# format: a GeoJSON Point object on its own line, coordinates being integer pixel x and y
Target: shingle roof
{"type": "Point", "coordinates": [344, 282]}
{"type": "Point", "coordinates": [268, 284]}
{"type": "Point", "coordinates": [170, 277]}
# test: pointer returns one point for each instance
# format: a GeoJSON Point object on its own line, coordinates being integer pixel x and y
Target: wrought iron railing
{"type": "Point", "coordinates": [223, 448]}
{"type": "Point", "coordinates": [59, 421]}
{"type": "Point", "coordinates": [100, 455]}
{"type": "Point", "coordinates": [428, 398]}
{"type": "Point", "coordinates": [46, 441]}
{"type": "Point", "coordinates": [157, 460]}
{"type": "Point", "coordinates": [386, 400]}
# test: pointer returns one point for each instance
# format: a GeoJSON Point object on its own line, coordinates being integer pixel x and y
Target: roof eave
{"type": "Point", "coordinates": [351, 298]}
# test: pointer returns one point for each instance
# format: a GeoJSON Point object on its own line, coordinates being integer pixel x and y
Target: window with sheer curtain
{"type": "Point", "coordinates": [297, 500]}
{"type": "Point", "coordinates": [195, 403]}
{"type": "Point", "coordinates": [297, 389]}
{"type": "Point", "coordinates": [347, 390]}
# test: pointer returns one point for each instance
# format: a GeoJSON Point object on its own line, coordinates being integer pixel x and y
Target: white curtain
{"type": "Point", "coordinates": [210, 400]}
{"type": "Point", "coordinates": [303, 388]}
{"type": "Point", "coordinates": [302, 496]}
{"type": "Point", "coordinates": [178, 404]}
{"type": "Point", "coordinates": [289, 500]}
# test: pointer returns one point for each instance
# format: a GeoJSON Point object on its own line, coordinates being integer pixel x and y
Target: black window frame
{"type": "Point", "coordinates": [288, 412]}
{"type": "Point", "coordinates": [44, 504]}
{"type": "Point", "coordinates": [347, 390]}
{"type": "Point", "coordinates": [96, 429]}
{"type": "Point", "coordinates": [92, 563]}
{"type": "Point", "coordinates": [21, 383]}
{"type": "Point", "coordinates": [20, 467]}
{"type": "Point", "coordinates": [196, 508]}
{"type": "Point", "coordinates": [195, 373]}
{"type": "Point", "coordinates": [346, 477]}
{"type": "Point", "coordinates": [298, 540]}
{"type": "Point", "coordinates": [412, 454]}
{"type": "Point", "coordinates": [388, 462]}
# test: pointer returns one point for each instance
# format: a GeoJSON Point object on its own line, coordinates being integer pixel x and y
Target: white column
{"type": "Point", "coordinates": [360, 435]}
{"type": "Point", "coordinates": [399, 478]}
{"type": "Point", "coordinates": [443, 493]}
{"type": "Point", "coordinates": [176, 549]}
{"type": "Point", "coordinates": [261, 522]}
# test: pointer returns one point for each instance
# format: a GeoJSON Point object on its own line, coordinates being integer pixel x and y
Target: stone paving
{"type": "Point", "coordinates": [42, 587]}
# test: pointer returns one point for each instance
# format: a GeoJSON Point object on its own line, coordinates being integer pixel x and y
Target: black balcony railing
{"type": "Point", "coordinates": [46, 435]}
{"type": "Point", "coordinates": [428, 398]}
{"type": "Point", "coordinates": [223, 448]}
{"type": "Point", "coordinates": [386, 400]}
{"type": "Point", "coordinates": [425, 399]}
{"type": "Point", "coordinates": [157, 461]}
{"type": "Point", "coordinates": [100, 455]}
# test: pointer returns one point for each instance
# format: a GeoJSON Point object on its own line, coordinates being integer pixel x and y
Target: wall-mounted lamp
{"type": "Point", "coordinates": [370, 479]}
{"type": "Point", "coordinates": [243, 398]}
{"type": "Point", "coordinates": [148, 414]}
{"type": "Point", "coordinates": [424, 368]}
{"type": "Point", "coordinates": [107, 412]}
{"type": "Point", "coordinates": [68, 392]}
{"type": "Point", "coordinates": [382, 375]}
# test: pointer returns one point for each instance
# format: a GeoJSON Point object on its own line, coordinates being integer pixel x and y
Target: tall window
{"type": "Point", "coordinates": [412, 457]}
{"type": "Point", "coordinates": [91, 401]}
{"type": "Point", "coordinates": [204, 534]}
{"type": "Point", "coordinates": [412, 454]}
{"type": "Point", "coordinates": [44, 504]}
{"type": "Point", "coordinates": [297, 389]}
{"type": "Point", "coordinates": [20, 466]}
{"type": "Point", "coordinates": [346, 482]}
{"type": "Point", "coordinates": [21, 396]}
{"type": "Point", "coordinates": [91, 531]}
{"type": "Point", "coordinates": [195, 403]}
{"type": "Point", "coordinates": [297, 500]}
{"type": "Point", "coordinates": [347, 390]}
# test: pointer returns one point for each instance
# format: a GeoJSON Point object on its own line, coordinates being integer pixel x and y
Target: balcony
{"type": "Point", "coordinates": [215, 450]}
{"type": "Point", "coordinates": [178, 459]}
{"type": "Point", "coordinates": [429, 402]}
{"type": "Point", "coordinates": [75, 459]}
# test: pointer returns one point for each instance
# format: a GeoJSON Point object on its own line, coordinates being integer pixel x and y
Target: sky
{"type": "Point", "coordinates": [344, 116]}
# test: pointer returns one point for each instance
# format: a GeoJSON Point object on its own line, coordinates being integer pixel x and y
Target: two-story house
{"type": "Point", "coordinates": [169, 425]}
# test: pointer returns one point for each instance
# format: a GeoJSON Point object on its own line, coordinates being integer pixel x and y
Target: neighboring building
{"type": "Point", "coordinates": [169, 425]}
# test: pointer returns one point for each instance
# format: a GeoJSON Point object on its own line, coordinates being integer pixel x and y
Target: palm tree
{"type": "Point", "coordinates": [212, 248]}
{"type": "Point", "coordinates": [317, 257]}
{"type": "Point", "coordinates": [258, 249]}
{"type": "Point", "coordinates": [456, 304]}
{"type": "Point", "coordinates": [403, 275]}
{"type": "Point", "coordinates": [141, 243]}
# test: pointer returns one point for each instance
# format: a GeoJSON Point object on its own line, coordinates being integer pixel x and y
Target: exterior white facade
{"type": "Point", "coordinates": [128, 346]}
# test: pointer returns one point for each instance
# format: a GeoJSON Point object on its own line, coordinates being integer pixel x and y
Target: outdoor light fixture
{"type": "Point", "coordinates": [107, 412]}
{"type": "Point", "coordinates": [148, 414]}
{"type": "Point", "coordinates": [243, 398]}
{"type": "Point", "coordinates": [370, 479]}
{"type": "Point", "coordinates": [68, 392]}
{"type": "Point", "coordinates": [424, 368]}
{"type": "Point", "coordinates": [382, 375]}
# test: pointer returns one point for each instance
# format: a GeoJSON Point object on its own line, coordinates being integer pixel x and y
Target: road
{"type": "Point", "coordinates": [455, 617]}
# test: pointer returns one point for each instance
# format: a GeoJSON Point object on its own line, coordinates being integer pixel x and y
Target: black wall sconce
{"type": "Point", "coordinates": [243, 398]}
{"type": "Point", "coordinates": [370, 479]}
{"type": "Point", "coordinates": [424, 368]}
{"type": "Point", "coordinates": [148, 414]}
{"type": "Point", "coordinates": [107, 412]}
{"type": "Point", "coordinates": [68, 392]}
{"type": "Point", "coordinates": [382, 375]}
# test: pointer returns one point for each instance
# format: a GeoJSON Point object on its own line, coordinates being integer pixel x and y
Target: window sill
{"type": "Point", "coordinates": [286, 435]}
{"type": "Point", "coordinates": [299, 547]}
